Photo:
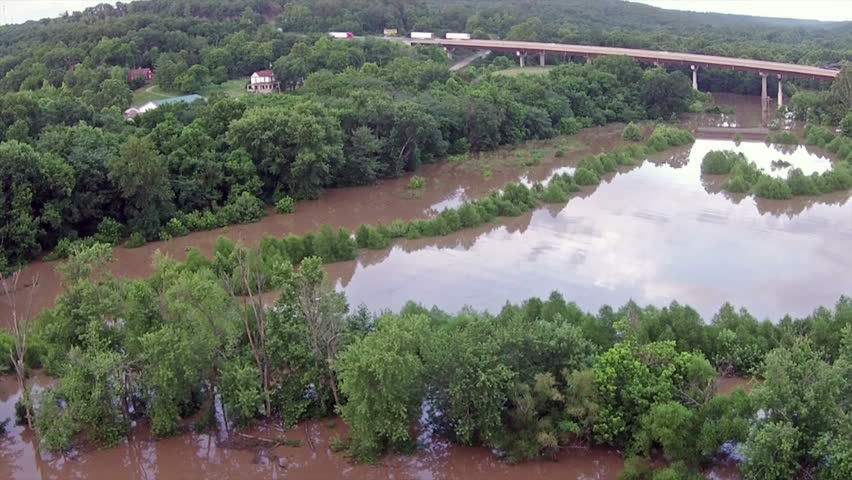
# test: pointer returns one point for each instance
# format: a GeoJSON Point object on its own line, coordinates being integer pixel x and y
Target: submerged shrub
{"type": "Point", "coordinates": [665, 136]}
{"type": "Point", "coordinates": [417, 182]}
{"type": "Point", "coordinates": [718, 162]}
{"type": "Point", "coordinates": [784, 138]}
{"type": "Point", "coordinates": [632, 132]}
{"type": "Point", "coordinates": [771, 187]}
{"type": "Point", "coordinates": [136, 240]}
{"type": "Point", "coordinates": [285, 205]}
{"type": "Point", "coordinates": [584, 176]}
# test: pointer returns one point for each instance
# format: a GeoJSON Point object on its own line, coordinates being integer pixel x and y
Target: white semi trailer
{"type": "Point", "coordinates": [341, 35]}
{"type": "Point", "coordinates": [458, 36]}
{"type": "Point", "coordinates": [422, 35]}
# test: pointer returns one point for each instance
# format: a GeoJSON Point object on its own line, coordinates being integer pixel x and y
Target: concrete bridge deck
{"type": "Point", "coordinates": [652, 56]}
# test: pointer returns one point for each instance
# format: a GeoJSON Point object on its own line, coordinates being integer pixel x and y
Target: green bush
{"type": "Point", "coordinates": [554, 193]}
{"type": "Point", "coordinates": [720, 162]}
{"type": "Point", "coordinates": [846, 125]}
{"type": "Point", "coordinates": [569, 125]}
{"type": "Point", "coordinates": [783, 138]}
{"type": "Point", "coordinates": [246, 208]}
{"type": "Point", "coordinates": [417, 182]}
{"type": "Point", "coordinates": [800, 184]}
{"type": "Point", "coordinates": [285, 205]}
{"type": "Point", "coordinates": [737, 184]}
{"type": "Point", "coordinates": [369, 237]}
{"type": "Point", "coordinates": [584, 176]}
{"type": "Point", "coordinates": [632, 132]}
{"type": "Point", "coordinates": [666, 136]}
{"type": "Point", "coordinates": [109, 231]}
{"type": "Point", "coordinates": [339, 444]}
{"type": "Point", "coordinates": [818, 135]}
{"type": "Point", "coordinates": [7, 346]}
{"type": "Point", "coordinates": [774, 188]}
{"type": "Point", "coordinates": [176, 228]}
{"type": "Point", "coordinates": [136, 240]}
{"type": "Point", "coordinates": [636, 468]}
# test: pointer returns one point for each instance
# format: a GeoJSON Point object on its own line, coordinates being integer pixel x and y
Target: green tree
{"type": "Point", "coordinates": [664, 93]}
{"type": "Point", "coordinates": [298, 149]}
{"type": "Point", "coordinates": [143, 181]}
{"type": "Point", "coordinates": [382, 376]}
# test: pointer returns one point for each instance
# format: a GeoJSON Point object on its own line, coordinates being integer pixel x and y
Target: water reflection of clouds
{"type": "Point", "coordinates": [653, 235]}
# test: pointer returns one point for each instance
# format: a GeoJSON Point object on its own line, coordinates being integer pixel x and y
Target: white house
{"type": "Point", "coordinates": [263, 81]}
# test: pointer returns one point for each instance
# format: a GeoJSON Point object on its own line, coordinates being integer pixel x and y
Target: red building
{"type": "Point", "coordinates": [140, 72]}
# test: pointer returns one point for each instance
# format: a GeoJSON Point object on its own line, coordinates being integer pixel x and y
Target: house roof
{"type": "Point", "coordinates": [182, 98]}
{"type": "Point", "coordinates": [264, 73]}
{"type": "Point", "coordinates": [135, 72]}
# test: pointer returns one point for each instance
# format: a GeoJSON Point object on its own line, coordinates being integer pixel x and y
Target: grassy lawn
{"type": "Point", "coordinates": [150, 92]}
{"type": "Point", "coordinates": [232, 88]}
{"type": "Point", "coordinates": [528, 70]}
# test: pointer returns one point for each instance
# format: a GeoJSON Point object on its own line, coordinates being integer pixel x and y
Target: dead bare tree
{"type": "Point", "coordinates": [21, 326]}
{"type": "Point", "coordinates": [323, 311]}
{"type": "Point", "coordinates": [252, 281]}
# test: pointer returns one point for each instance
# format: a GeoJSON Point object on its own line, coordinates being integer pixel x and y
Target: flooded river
{"type": "Point", "coordinates": [654, 233]}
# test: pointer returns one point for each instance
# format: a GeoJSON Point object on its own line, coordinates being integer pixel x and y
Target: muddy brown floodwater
{"type": "Point", "coordinates": [215, 456]}
{"type": "Point", "coordinates": [654, 233]}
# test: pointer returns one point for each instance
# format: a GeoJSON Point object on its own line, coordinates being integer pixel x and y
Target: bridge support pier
{"type": "Point", "coordinates": [541, 59]}
{"type": "Point", "coordinates": [449, 52]}
{"type": "Point", "coordinates": [694, 77]}
{"type": "Point", "coordinates": [780, 91]}
{"type": "Point", "coordinates": [764, 99]}
{"type": "Point", "coordinates": [521, 57]}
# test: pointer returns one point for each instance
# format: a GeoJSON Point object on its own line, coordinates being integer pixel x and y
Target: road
{"type": "Point", "coordinates": [677, 58]}
{"type": "Point", "coordinates": [468, 60]}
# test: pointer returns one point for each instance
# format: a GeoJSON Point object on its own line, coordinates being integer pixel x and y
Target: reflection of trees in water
{"type": "Point", "coordinates": [713, 184]}
{"type": "Point", "coordinates": [676, 159]}
{"type": "Point", "coordinates": [785, 148]}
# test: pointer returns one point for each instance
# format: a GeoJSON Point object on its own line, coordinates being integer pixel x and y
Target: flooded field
{"type": "Point", "coordinates": [654, 233]}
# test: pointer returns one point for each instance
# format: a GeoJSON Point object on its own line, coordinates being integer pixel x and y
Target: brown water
{"type": "Point", "coordinates": [221, 455]}
{"type": "Point", "coordinates": [236, 455]}
{"type": "Point", "coordinates": [653, 233]}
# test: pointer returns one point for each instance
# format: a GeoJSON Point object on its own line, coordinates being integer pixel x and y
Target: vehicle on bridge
{"type": "Point", "coordinates": [342, 35]}
{"type": "Point", "coordinates": [458, 36]}
{"type": "Point", "coordinates": [423, 35]}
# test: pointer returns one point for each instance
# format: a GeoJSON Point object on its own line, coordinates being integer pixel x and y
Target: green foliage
{"type": "Point", "coordinates": [771, 452]}
{"type": "Point", "coordinates": [246, 208]}
{"type": "Point", "coordinates": [818, 135]}
{"type": "Point", "coordinates": [846, 125]}
{"type": "Point", "coordinates": [632, 132]}
{"type": "Point", "coordinates": [339, 444]}
{"type": "Point", "coordinates": [584, 176]}
{"type": "Point", "coordinates": [784, 138]}
{"type": "Point", "coordinates": [285, 205]}
{"type": "Point", "coordinates": [665, 136]}
{"type": "Point", "coordinates": [631, 378]}
{"type": "Point", "coordinates": [241, 391]}
{"type": "Point", "coordinates": [417, 182]}
{"type": "Point", "coordinates": [382, 376]}
{"type": "Point", "coordinates": [774, 188]}
{"type": "Point", "coordinates": [136, 240]}
{"type": "Point", "coordinates": [109, 231]}
{"type": "Point", "coordinates": [717, 162]}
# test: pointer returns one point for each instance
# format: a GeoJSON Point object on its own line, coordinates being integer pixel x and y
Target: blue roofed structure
{"type": "Point", "coordinates": [136, 110]}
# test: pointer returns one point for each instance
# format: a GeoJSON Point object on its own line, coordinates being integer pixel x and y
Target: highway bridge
{"type": "Point", "coordinates": [695, 61]}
